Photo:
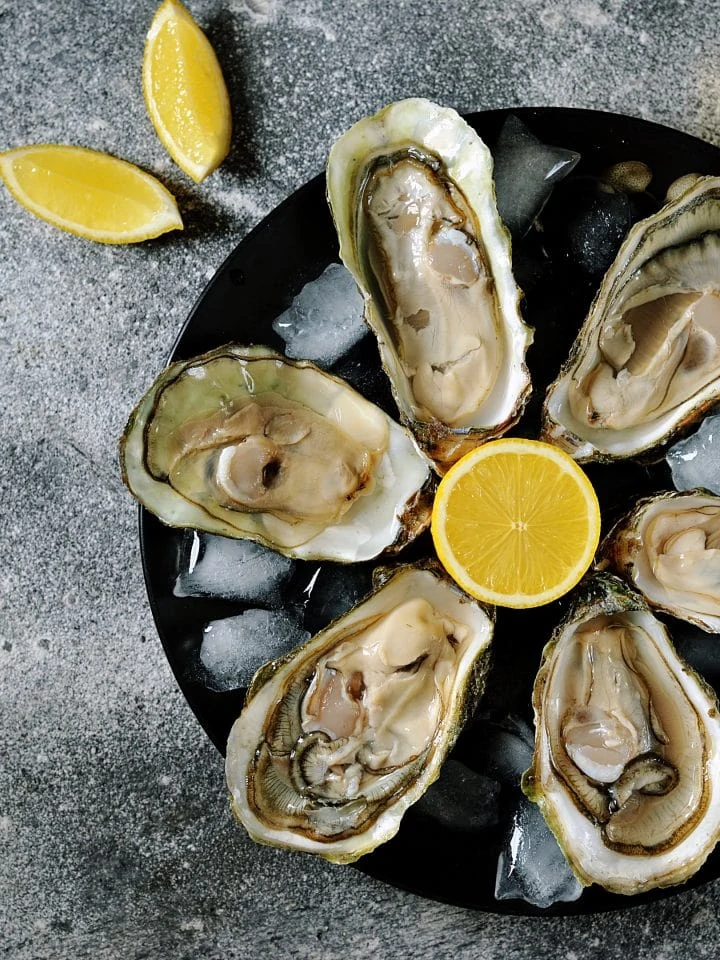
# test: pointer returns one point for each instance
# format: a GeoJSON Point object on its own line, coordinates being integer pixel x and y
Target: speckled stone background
{"type": "Point", "coordinates": [115, 835]}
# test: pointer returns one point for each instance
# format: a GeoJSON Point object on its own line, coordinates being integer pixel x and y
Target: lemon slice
{"type": "Point", "coordinates": [185, 92]}
{"type": "Point", "coordinates": [516, 522]}
{"type": "Point", "coordinates": [89, 193]}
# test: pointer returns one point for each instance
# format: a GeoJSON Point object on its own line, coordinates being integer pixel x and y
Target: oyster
{"type": "Point", "coordinates": [626, 768]}
{"type": "Point", "coordinates": [245, 443]}
{"type": "Point", "coordinates": [668, 547]}
{"type": "Point", "coordinates": [339, 738]}
{"type": "Point", "coordinates": [647, 360]}
{"type": "Point", "coordinates": [412, 196]}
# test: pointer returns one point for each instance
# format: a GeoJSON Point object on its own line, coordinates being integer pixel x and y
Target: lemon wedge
{"type": "Point", "coordinates": [88, 193]}
{"type": "Point", "coordinates": [516, 522]}
{"type": "Point", "coordinates": [185, 92]}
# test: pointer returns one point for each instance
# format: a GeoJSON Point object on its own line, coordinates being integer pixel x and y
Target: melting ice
{"type": "Point", "coordinates": [325, 319]}
{"type": "Point", "coordinates": [525, 171]}
{"type": "Point", "coordinates": [232, 649]}
{"type": "Point", "coordinates": [215, 566]}
{"type": "Point", "coordinates": [462, 799]}
{"type": "Point", "coordinates": [531, 866]}
{"type": "Point", "coordinates": [504, 748]}
{"type": "Point", "coordinates": [695, 461]}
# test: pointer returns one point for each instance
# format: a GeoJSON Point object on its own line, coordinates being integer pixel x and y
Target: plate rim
{"type": "Point", "coordinates": [608, 902]}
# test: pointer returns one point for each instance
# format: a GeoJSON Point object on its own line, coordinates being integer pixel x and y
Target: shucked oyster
{"type": "Point", "coordinates": [669, 548]}
{"type": "Point", "coordinates": [626, 767]}
{"type": "Point", "coordinates": [647, 359]}
{"type": "Point", "coordinates": [245, 443]}
{"type": "Point", "coordinates": [412, 196]}
{"type": "Point", "coordinates": [339, 738]}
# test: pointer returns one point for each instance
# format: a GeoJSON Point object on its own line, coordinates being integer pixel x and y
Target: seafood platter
{"type": "Point", "coordinates": [551, 274]}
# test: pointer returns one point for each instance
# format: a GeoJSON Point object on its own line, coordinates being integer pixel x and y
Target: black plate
{"type": "Point", "coordinates": [292, 246]}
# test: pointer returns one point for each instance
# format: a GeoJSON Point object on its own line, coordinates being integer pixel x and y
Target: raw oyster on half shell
{"type": "Point", "coordinates": [412, 195]}
{"type": "Point", "coordinates": [626, 768]}
{"type": "Point", "coordinates": [245, 443]}
{"type": "Point", "coordinates": [647, 360]}
{"type": "Point", "coordinates": [339, 738]}
{"type": "Point", "coordinates": [668, 547]}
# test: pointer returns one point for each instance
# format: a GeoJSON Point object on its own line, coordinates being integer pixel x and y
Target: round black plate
{"type": "Point", "coordinates": [433, 856]}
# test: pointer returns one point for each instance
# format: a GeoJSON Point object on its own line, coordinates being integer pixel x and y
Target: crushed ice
{"type": "Point", "coordinates": [325, 319]}
{"type": "Point", "coordinates": [234, 648]}
{"type": "Point", "coordinates": [695, 461]}
{"type": "Point", "coordinates": [213, 566]}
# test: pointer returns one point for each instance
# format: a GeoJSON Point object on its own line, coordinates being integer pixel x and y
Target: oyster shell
{"type": "Point", "coordinates": [626, 768]}
{"type": "Point", "coordinates": [412, 196]}
{"type": "Point", "coordinates": [647, 360]}
{"type": "Point", "coordinates": [339, 738]}
{"type": "Point", "coordinates": [668, 547]}
{"type": "Point", "coordinates": [245, 443]}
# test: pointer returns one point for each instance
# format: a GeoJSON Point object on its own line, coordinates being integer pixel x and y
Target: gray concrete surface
{"type": "Point", "coordinates": [115, 838]}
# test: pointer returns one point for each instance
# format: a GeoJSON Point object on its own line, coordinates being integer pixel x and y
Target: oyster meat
{"type": "Point", "coordinates": [626, 768]}
{"type": "Point", "coordinates": [668, 547]}
{"type": "Point", "coordinates": [245, 443]}
{"type": "Point", "coordinates": [412, 196]}
{"type": "Point", "coordinates": [339, 738]}
{"type": "Point", "coordinates": [647, 360]}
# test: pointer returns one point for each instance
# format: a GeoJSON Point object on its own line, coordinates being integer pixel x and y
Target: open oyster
{"type": "Point", "coordinates": [647, 359]}
{"type": "Point", "coordinates": [412, 196]}
{"type": "Point", "coordinates": [626, 768]}
{"type": "Point", "coordinates": [669, 548]}
{"type": "Point", "coordinates": [245, 443]}
{"type": "Point", "coordinates": [339, 738]}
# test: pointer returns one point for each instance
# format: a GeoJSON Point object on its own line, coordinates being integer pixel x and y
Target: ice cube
{"type": "Point", "coordinates": [241, 570]}
{"type": "Point", "coordinates": [587, 220]}
{"type": "Point", "coordinates": [525, 172]}
{"type": "Point", "coordinates": [695, 461]}
{"type": "Point", "coordinates": [233, 648]}
{"type": "Point", "coordinates": [462, 799]}
{"type": "Point", "coordinates": [531, 865]}
{"type": "Point", "coordinates": [502, 747]}
{"type": "Point", "coordinates": [325, 319]}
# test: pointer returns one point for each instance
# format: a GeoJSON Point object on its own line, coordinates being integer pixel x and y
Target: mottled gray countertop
{"type": "Point", "coordinates": [115, 834]}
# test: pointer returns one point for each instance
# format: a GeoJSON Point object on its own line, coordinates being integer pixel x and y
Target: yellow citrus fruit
{"type": "Point", "coordinates": [89, 193]}
{"type": "Point", "coordinates": [516, 522]}
{"type": "Point", "coordinates": [185, 92]}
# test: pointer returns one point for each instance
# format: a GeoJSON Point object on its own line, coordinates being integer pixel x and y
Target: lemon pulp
{"type": "Point", "coordinates": [516, 522]}
{"type": "Point", "coordinates": [89, 193]}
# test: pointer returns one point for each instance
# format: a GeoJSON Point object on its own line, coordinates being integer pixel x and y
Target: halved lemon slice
{"type": "Point", "coordinates": [89, 193]}
{"type": "Point", "coordinates": [185, 92]}
{"type": "Point", "coordinates": [516, 522]}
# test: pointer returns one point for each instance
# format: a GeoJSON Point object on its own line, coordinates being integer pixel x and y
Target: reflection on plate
{"type": "Point", "coordinates": [457, 830]}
